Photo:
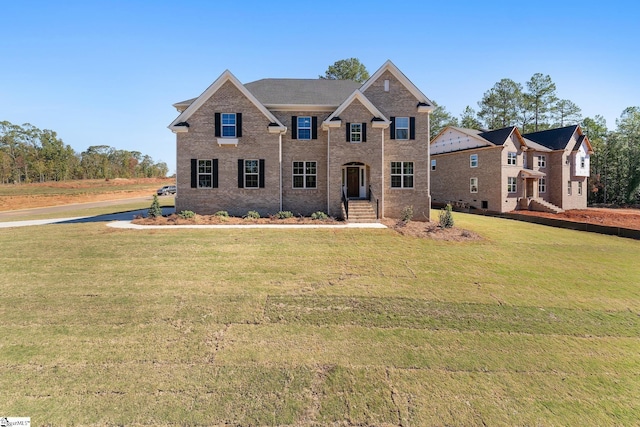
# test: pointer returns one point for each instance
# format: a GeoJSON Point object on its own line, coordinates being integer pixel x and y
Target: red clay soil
{"type": "Point", "coordinates": [625, 218]}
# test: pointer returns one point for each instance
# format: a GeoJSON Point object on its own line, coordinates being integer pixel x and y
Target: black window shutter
{"type": "Point", "coordinates": [412, 128]}
{"type": "Point", "coordinates": [238, 125]}
{"type": "Point", "coordinates": [364, 132]}
{"type": "Point", "coordinates": [392, 128]}
{"type": "Point", "coordinates": [294, 127]}
{"type": "Point", "coordinates": [215, 172]}
{"type": "Point", "coordinates": [194, 173]}
{"type": "Point", "coordinates": [261, 173]}
{"type": "Point", "coordinates": [314, 127]}
{"type": "Point", "coordinates": [240, 173]}
{"type": "Point", "coordinates": [217, 125]}
{"type": "Point", "coordinates": [348, 132]}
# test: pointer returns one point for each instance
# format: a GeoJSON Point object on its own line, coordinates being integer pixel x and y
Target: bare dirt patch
{"type": "Point", "coordinates": [431, 230]}
{"type": "Point", "coordinates": [38, 195]}
{"type": "Point", "coordinates": [625, 218]}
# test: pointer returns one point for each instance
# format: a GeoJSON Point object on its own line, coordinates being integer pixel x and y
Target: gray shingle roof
{"type": "Point", "coordinates": [555, 139]}
{"type": "Point", "coordinates": [302, 91]}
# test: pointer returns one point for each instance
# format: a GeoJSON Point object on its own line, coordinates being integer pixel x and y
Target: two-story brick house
{"type": "Point", "coordinates": [304, 145]}
{"type": "Point", "coordinates": [502, 170]}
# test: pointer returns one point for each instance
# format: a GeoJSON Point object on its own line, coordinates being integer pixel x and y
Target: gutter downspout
{"type": "Point", "coordinates": [328, 170]}
{"type": "Point", "coordinates": [280, 165]}
{"type": "Point", "coordinates": [429, 166]}
{"type": "Point", "coordinates": [382, 189]}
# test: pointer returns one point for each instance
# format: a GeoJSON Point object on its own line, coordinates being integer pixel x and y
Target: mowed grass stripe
{"type": "Point", "coordinates": [416, 313]}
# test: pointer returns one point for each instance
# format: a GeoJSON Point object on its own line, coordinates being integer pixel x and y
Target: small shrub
{"type": "Point", "coordinates": [252, 215]}
{"type": "Point", "coordinates": [187, 214]}
{"type": "Point", "coordinates": [284, 215]}
{"type": "Point", "coordinates": [223, 214]}
{"type": "Point", "coordinates": [319, 216]}
{"type": "Point", "coordinates": [407, 214]}
{"type": "Point", "coordinates": [446, 218]}
{"type": "Point", "coordinates": [155, 210]}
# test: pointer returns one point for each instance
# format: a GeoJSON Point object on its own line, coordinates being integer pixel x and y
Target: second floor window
{"type": "Point", "coordinates": [473, 161]}
{"type": "Point", "coordinates": [433, 164]}
{"type": "Point", "coordinates": [512, 158]}
{"type": "Point", "coordinates": [304, 127]}
{"type": "Point", "coordinates": [228, 125]}
{"type": "Point", "coordinates": [402, 127]}
{"type": "Point", "coordinates": [356, 132]}
{"type": "Point", "coordinates": [542, 161]}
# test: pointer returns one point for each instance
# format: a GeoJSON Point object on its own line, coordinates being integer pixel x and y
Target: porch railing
{"type": "Point", "coordinates": [345, 203]}
{"type": "Point", "coordinates": [371, 197]}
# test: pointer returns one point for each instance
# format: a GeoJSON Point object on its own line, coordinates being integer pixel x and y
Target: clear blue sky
{"type": "Point", "coordinates": [107, 72]}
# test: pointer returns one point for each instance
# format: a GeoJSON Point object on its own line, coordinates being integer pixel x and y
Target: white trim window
{"type": "Point", "coordinates": [304, 127]}
{"type": "Point", "coordinates": [473, 161]}
{"type": "Point", "coordinates": [542, 161]}
{"type": "Point", "coordinates": [356, 132]}
{"type": "Point", "coordinates": [401, 174]}
{"type": "Point", "coordinates": [205, 173]}
{"type": "Point", "coordinates": [433, 164]}
{"type": "Point", "coordinates": [579, 188]}
{"type": "Point", "coordinates": [251, 174]}
{"type": "Point", "coordinates": [305, 174]}
{"type": "Point", "coordinates": [512, 158]}
{"type": "Point", "coordinates": [512, 184]}
{"type": "Point", "coordinates": [473, 185]}
{"type": "Point", "coordinates": [228, 125]}
{"type": "Point", "coordinates": [402, 127]}
{"type": "Point", "coordinates": [568, 188]}
{"type": "Point", "coordinates": [542, 185]}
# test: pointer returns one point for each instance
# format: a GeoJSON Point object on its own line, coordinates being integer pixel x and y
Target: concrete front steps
{"type": "Point", "coordinates": [544, 206]}
{"type": "Point", "coordinates": [360, 211]}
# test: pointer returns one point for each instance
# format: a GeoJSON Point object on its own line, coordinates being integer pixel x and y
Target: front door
{"type": "Point", "coordinates": [353, 182]}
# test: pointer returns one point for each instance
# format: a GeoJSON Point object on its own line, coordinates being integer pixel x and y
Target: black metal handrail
{"type": "Point", "coordinates": [345, 202]}
{"type": "Point", "coordinates": [377, 203]}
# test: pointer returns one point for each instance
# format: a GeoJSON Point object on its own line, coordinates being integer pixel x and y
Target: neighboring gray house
{"type": "Point", "coordinates": [502, 170]}
{"type": "Point", "coordinates": [305, 145]}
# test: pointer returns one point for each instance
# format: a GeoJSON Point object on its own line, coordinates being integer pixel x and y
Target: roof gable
{"type": "Point", "coordinates": [357, 95]}
{"type": "Point", "coordinates": [555, 139]}
{"type": "Point", "coordinates": [179, 124]}
{"type": "Point", "coordinates": [390, 66]}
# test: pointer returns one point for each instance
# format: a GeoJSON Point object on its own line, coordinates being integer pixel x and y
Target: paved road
{"type": "Point", "coordinates": [17, 214]}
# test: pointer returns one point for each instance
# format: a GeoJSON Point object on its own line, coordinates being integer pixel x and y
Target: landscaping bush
{"type": "Point", "coordinates": [319, 216]}
{"type": "Point", "coordinates": [187, 214]}
{"type": "Point", "coordinates": [407, 214]}
{"type": "Point", "coordinates": [252, 215]}
{"type": "Point", "coordinates": [223, 214]}
{"type": "Point", "coordinates": [155, 210]}
{"type": "Point", "coordinates": [284, 215]}
{"type": "Point", "coordinates": [446, 218]}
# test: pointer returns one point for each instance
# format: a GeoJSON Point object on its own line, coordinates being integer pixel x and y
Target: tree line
{"type": "Point", "coordinates": [29, 154]}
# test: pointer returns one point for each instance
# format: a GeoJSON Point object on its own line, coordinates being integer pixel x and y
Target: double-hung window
{"type": "Point", "coordinates": [512, 158]}
{"type": "Point", "coordinates": [356, 132]}
{"type": "Point", "coordinates": [205, 173]}
{"type": "Point", "coordinates": [542, 185]}
{"type": "Point", "coordinates": [304, 127]}
{"type": "Point", "coordinates": [304, 174]}
{"type": "Point", "coordinates": [542, 161]}
{"type": "Point", "coordinates": [401, 174]}
{"type": "Point", "coordinates": [402, 127]}
{"type": "Point", "coordinates": [579, 188]}
{"type": "Point", "coordinates": [251, 174]}
{"type": "Point", "coordinates": [568, 188]}
{"type": "Point", "coordinates": [433, 164]}
{"type": "Point", "coordinates": [512, 185]}
{"type": "Point", "coordinates": [228, 125]}
{"type": "Point", "coordinates": [473, 185]}
{"type": "Point", "coordinates": [473, 161]}
{"type": "Point", "coordinates": [583, 162]}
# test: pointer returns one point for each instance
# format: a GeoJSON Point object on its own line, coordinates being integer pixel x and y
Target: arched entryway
{"type": "Point", "coordinates": [354, 180]}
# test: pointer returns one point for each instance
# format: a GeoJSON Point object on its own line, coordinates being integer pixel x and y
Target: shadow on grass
{"type": "Point", "coordinates": [118, 216]}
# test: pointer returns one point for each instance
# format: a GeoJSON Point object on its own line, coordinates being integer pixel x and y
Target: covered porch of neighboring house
{"type": "Point", "coordinates": [359, 203]}
{"type": "Point", "coordinates": [533, 181]}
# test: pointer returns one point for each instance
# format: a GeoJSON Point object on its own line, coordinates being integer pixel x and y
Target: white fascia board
{"type": "Point", "coordinates": [391, 67]}
{"type": "Point", "coordinates": [224, 77]}
{"type": "Point", "coordinates": [357, 94]}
